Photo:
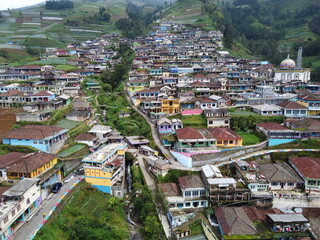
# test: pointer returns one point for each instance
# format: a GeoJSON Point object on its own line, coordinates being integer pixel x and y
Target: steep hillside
{"type": "Point", "coordinates": [274, 28]}
{"type": "Point", "coordinates": [27, 31]}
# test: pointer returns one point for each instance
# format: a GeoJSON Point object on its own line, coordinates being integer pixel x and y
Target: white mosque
{"type": "Point", "coordinates": [289, 71]}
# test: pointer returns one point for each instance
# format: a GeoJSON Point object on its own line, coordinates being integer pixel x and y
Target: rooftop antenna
{"type": "Point", "coordinates": [299, 58]}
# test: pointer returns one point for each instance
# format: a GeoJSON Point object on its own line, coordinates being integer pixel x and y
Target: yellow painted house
{"type": "Point", "coordinates": [312, 102]}
{"type": "Point", "coordinates": [170, 105]}
{"type": "Point", "coordinates": [102, 169]}
{"type": "Point", "coordinates": [225, 137]}
{"type": "Point", "coordinates": [31, 165]}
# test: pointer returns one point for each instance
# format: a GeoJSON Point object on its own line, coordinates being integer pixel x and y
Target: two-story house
{"type": "Point", "coordinates": [312, 102]}
{"type": "Point", "coordinates": [19, 203]}
{"type": "Point", "coordinates": [217, 117]}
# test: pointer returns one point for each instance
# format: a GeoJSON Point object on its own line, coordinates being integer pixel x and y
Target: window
{"type": "Point", "coordinates": [203, 193]}
{"type": "Point", "coordinates": [187, 204]}
{"type": "Point", "coordinates": [18, 208]}
{"type": "Point", "coordinates": [35, 142]}
{"type": "Point", "coordinates": [219, 142]}
{"type": "Point", "coordinates": [203, 203]}
{"type": "Point", "coordinates": [289, 111]}
{"type": "Point", "coordinates": [28, 200]}
{"type": "Point", "coordinates": [274, 184]}
{"type": "Point", "coordinates": [283, 76]}
{"type": "Point", "coordinates": [226, 122]}
{"type": "Point", "coordinates": [290, 184]}
{"type": "Point", "coordinates": [187, 193]}
{"type": "Point", "coordinates": [6, 219]}
{"type": "Point", "coordinates": [13, 212]}
{"type": "Point", "coordinates": [312, 182]}
{"type": "Point", "coordinates": [210, 122]}
{"type": "Point", "coordinates": [195, 193]}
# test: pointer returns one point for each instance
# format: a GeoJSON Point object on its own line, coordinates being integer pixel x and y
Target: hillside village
{"type": "Point", "coordinates": [219, 125]}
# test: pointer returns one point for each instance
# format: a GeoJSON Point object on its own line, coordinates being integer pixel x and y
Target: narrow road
{"type": "Point", "coordinates": [152, 186]}
{"type": "Point", "coordinates": [155, 134]}
{"type": "Point", "coordinates": [28, 229]}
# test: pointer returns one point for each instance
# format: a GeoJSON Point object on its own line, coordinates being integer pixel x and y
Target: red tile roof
{"type": "Point", "coordinates": [272, 126]}
{"type": "Point", "coordinates": [193, 133]}
{"type": "Point", "coordinates": [11, 93]}
{"type": "Point", "coordinates": [309, 167]}
{"type": "Point", "coordinates": [170, 189]}
{"type": "Point", "coordinates": [31, 162]}
{"type": "Point", "coordinates": [85, 137]}
{"type": "Point", "coordinates": [224, 134]}
{"type": "Point", "coordinates": [199, 75]}
{"type": "Point", "coordinates": [309, 97]}
{"type": "Point", "coordinates": [10, 159]}
{"type": "Point", "coordinates": [190, 181]}
{"type": "Point", "coordinates": [33, 132]}
{"type": "Point", "coordinates": [291, 105]}
{"type": "Point", "coordinates": [43, 93]}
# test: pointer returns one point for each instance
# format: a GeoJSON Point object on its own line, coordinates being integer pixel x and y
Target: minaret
{"type": "Point", "coordinates": [299, 58]}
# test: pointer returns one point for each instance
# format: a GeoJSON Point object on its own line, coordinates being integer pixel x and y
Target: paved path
{"type": "Point", "coordinates": [155, 133]}
{"type": "Point", "coordinates": [28, 229]}
{"type": "Point", "coordinates": [152, 186]}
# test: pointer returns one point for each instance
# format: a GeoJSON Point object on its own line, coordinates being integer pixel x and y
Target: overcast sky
{"type": "Point", "coordinates": [5, 4]}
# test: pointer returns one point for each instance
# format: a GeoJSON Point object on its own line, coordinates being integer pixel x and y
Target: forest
{"type": "Point", "coordinates": [58, 5]}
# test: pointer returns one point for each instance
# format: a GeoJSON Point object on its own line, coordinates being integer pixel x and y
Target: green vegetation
{"type": "Point", "coordinates": [173, 175]}
{"type": "Point", "coordinates": [196, 121]}
{"type": "Point", "coordinates": [86, 214]}
{"type": "Point", "coordinates": [4, 149]}
{"type": "Point", "coordinates": [270, 29]}
{"type": "Point", "coordinates": [145, 208]}
{"type": "Point", "coordinates": [71, 150]}
{"type": "Point", "coordinates": [59, 5]}
{"type": "Point", "coordinates": [68, 124]}
{"type": "Point", "coordinates": [250, 138]}
{"type": "Point", "coordinates": [133, 125]}
{"type": "Point", "coordinates": [65, 67]}
{"type": "Point", "coordinates": [244, 123]}
{"type": "Point", "coordinates": [196, 228]}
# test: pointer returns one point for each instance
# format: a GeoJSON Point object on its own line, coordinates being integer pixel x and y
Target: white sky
{"type": "Point", "coordinates": [5, 4]}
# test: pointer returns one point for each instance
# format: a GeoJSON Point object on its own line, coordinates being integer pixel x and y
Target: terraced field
{"type": "Point", "coordinates": [188, 12]}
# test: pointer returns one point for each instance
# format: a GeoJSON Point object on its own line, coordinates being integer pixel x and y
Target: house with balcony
{"type": "Point", "coordinates": [312, 102]}
{"type": "Point", "coordinates": [222, 188]}
{"type": "Point", "coordinates": [193, 193]}
{"type": "Point", "coordinates": [19, 203]}
{"type": "Point", "coordinates": [46, 138]}
{"type": "Point", "coordinates": [104, 169]}
{"type": "Point", "coordinates": [308, 169]}
{"type": "Point", "coordinates": [170, 105]}
{"type": "Point", "coordinates": [194, 139]}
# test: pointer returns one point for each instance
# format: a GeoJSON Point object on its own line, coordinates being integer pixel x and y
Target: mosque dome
{"type": "Point", "coordinates": [288, 63]}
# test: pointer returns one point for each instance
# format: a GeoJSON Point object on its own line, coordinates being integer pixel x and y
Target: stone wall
{"type": "Point", "coordinates": [225, 155]}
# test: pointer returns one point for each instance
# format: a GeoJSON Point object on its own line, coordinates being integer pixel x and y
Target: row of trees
{"type": "Point", "coordinates": [101, 17]}
{"type": "Point", "coordinates": [59, 5]}
{"type": "Point", "coordinates": [137, 21]}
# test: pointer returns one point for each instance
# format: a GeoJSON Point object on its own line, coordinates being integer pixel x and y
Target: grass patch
{"type": "Point", "coordinates": [87, 214]}
{"type": "Point", "coordinates": [173, 175]}
{"type": "Point", "coordinates": [68, 124]}
{"type": "Point", "coordinates": [65, 67]}
{"type": "Point", "coordinates": [196, 121]}
{"type": "Point", "coordinates": [71, 150]}
{"type": "Point", "coordinates": [249, 138]}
